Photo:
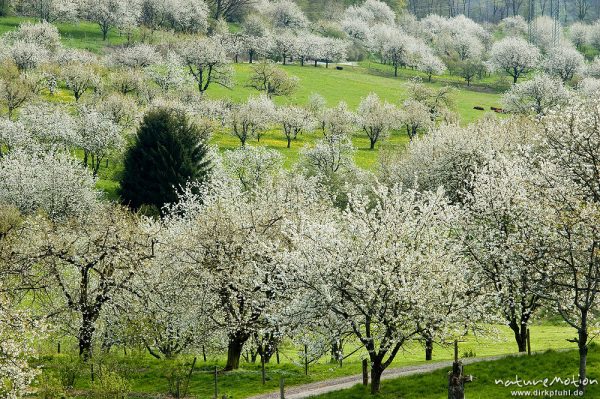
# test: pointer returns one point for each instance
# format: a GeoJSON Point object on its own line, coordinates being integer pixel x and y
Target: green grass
{"type": "Point", "coordinates": [10, 23]}
{"type": "Point", "coordinates": [491, 83]}
{"type": "Point", "coordinates": [353, 83]}
{"type": "Point", "coordinates": [434, 385]}
{"type": "Point", "coordinates": [87, 36]}
{"type": "Point", "coordinates": [148, 375]}
{"type": "Point", "coordinates": [349, 85]}
{"type": "Point", "coordinates": [81, 35]}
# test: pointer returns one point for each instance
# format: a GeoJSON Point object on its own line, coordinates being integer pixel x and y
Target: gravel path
{"type": "Point", "coordinates": [337, 384]}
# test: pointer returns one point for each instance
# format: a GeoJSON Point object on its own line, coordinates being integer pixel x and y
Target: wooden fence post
{"type": "Point", "coordinates": [455, 351]}
{"type": "Point", "coordinates": [528, 342]}
{"type": "Point", "coordinates": [281, 388]}
{"type": "Point", "coordinates": [262, 367]}
{"type": "Point", "coordinates": [216, 384]}
{"type": "Point", "coordinates": [58, 347]}
{"type": "Point", "coordinates": [456, 378]}
{"type": "Point", "coordinates": [365, 372]}
{"type": "Point", "coordinates": [305, 359]}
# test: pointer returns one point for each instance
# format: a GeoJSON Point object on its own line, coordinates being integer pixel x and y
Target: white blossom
{"type": "Point", "coordinates": [564, 62]}
{"type": "Point", "coordinates": [286, 14]}
{"type": "Point", "coordinates": [514, 26]}
{"type": "Point", "coordinates": [51, 182]}
{"type": "Point", "coordinates": [51, 10]}
{"type": "Point", "coordinates": [19, 333]}
{"type": "Point", "coordinates": [252, 166]}
{"type": "Point", "coordinates": [514, 56]}
{"type": "Point", "coordinates": [136, 56]}
{"type": "Point", "coordinates": [294, 120]}
{"type": "Point", "coordinates": [206, 62]}
{"type": "Point", "coordinates": [386, 266]}
{"type": "Point", "coordinates": [377, 118]}
{"type": "Point", "coordinates": [538, 95]}
{"type": "Point", "coordinates": [50, 125]}
{"type": "Point", "coordinates": [579, 34]}
{"type": "Point", "coordinates": [251, 119]}
{"type": "Point", "coordinates": [98, 136]}
{"type": "Point", "coordinates": [431, 65]}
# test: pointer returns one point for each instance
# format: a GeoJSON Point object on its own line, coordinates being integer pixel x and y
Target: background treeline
{"type": "Point", "coordinates": [479, 10]}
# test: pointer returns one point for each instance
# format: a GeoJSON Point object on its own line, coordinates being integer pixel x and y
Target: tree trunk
{"type": "Point", "coordinates": [266, 356]}
{"type": "Point", "coordinates": [395, 71]}
{"type": "Point", "coordinates": [373, 141]}
{"type": "Point", "coordinates": [335, 350]}
{"type": "Point", "coordinates": [151, 352]}
{"type": "Point", "coordinates": [376, 372]}
{"type": "Point", "coordinates": [234, 352]}
{"type": "Point", "coordinates": [520, 332]}
{"type": "Point", "coordinates": [428, 349]}
{"type": "Point", "coordinates": [456, 382]}
{"type": "Point", "coordinates": [218, 10]}
{"type": "Point", "coordinates": [86, 332]}
{"type": "Point", "coordinates": [582, 367]}
{"type": "Point", "coordinates": [289, 142]}
{"type": "Point", "coordinates": [583, 351]}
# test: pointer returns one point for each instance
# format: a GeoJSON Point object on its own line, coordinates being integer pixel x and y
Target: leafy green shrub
{"type": "Point", "coordinates": [178, 375]}
{"type": "Point", "coordinates": [469, 353]}
{"type": "Point", "coordinates": [68, 369]}
{"type": "Point", "coordinates": [50, 387]}
{"type": "Point", "coordinates": [110, 385]}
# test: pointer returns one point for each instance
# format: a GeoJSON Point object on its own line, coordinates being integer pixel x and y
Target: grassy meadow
{"type": "Point", "coordinates": [149, 377]}
{"type": "Point", "coordinates": [539, 366]}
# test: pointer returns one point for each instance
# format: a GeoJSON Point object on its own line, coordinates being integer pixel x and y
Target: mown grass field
{"type": "Point", "coordinates": [355, 82]}
{"type": "Point", "coordinates": [148, 376]}
{"type": "Point", "coordinates": [537, 367]}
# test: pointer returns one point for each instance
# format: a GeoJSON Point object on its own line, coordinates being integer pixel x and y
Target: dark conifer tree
{"type": "Point", "coordinates": [168, 152]}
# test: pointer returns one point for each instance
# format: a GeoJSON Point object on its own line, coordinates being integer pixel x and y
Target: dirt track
{"type": "Point", "coordinates": [337, 384]}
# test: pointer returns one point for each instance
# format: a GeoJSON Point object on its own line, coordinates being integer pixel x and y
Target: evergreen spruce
{"type": "Point", "coordinates": [168, 152]}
